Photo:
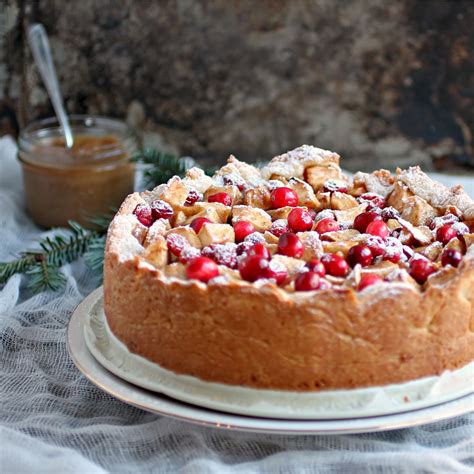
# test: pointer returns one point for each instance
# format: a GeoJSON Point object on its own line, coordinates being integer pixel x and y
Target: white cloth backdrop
{"type": "Point", "coordinates": [53, 420]}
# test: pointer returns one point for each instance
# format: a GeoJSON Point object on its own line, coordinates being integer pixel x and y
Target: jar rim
{"type": "Point", "coordinates": [89, 121]}
{"type": "Point", "coordinates": [82, 124]}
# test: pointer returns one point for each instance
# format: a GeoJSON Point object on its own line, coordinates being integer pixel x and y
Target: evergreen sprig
{"type": "Point", "coordinates": [45, 276]}
{"type": "Point", "coordinates": [43, 265]}
{"type": "Point", "coordinates": [94, 257]}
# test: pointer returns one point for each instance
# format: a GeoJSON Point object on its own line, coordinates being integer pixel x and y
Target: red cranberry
{"type": "Point", "coordinates": [300, 220]}
{"type": "Point", "coordinates": [277, 272]}
{"type": "Point", "coordinates": [376, 245]}
{"type": "Point", "coordinates": [333, 185]}
{"type": "Point", "coordinates": [281, 197]}
{"type": "Point", "coordinates": [253, 267]}
{"type": "Point", "coordinates": [393, 250]}
{"type": "Point", "coordinates": [244, 247]}
{"type": "Point", "coordinates": [389, 213]}
{"type": "Point", "coordinates": [368, 280]}
{"type": "Point", "coordinates": [335, 265]}
{"type": "Point", "coordinates": [378, 228]}
{"type": "Point", "coordinates": [222, 254]}
{"type": "Point", "coordinates": [374, 200]}
{"type": "Point", "coordinates": [279, 227]}
{"type": "Point", "coordinates": [223, 198]}
{"type": "Point", "coordinates": [161, 210]}
{"type": "Point", "coordinates": [443, 220]}
{"type": "Point", "coordinates": [327, 225]}
{"type": "Point", "coordinates": [176, 243]}
{"type": "Point", "coordinates": [363, 220]}
{"type": "Point", "coordinates": [451, 257]}
{"type": "Point", "coordinates": [445, 233]}
{"type": "Point", "coordinates": [143, 213]}
{"type": "Point", "coordinates": [421, 269]}
{"type": "Point", "coordinates": [193, 196]}
{"type": "Point", "coordinates": [360, 254]}
{"type": "Point", "coordinates": [290, 245]}
{"type": "Point", "coordinates": [202, 269]}
{"type": "Point", "coordinates": [260, 250]}
{"type": "Point", "coordinates": [307, 281]}
{"type": "Point", "coordinates": [316, 266]}
{"type": "Point", "coordinates": [242, 229]}
{"type": "Point", "coordinates": [393, 257]}
{"type": "Point", "coordinates": [198, 222]}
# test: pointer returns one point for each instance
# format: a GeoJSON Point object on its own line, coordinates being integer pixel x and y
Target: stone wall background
{"type": "Point", "coordinates": [383, 83]}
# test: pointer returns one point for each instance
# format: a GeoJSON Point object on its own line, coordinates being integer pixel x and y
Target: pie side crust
{"type": "Point", "coordinates": [261, 336]}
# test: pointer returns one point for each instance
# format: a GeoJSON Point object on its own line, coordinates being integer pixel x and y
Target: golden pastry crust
{"type": "Point", "coordinates": [263, 336]}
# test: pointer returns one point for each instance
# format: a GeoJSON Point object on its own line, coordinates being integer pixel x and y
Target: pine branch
{"type": "Point", "coordinates": [60, 250]}
{"type": "Point", "coordinates": [45, 276]}
{"type": "Point", "coordinates": [43, 265]}
{"type": "Point", "coordinates": [21, 265]}
{"type": "Point", "coordinates": [94, 257]}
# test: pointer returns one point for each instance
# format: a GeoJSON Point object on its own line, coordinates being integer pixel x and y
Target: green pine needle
{"type": "Point", "coordinates": [94, 257]}
{"type": "Point", "coordinates": [21, 265]}
{"type": "Point", "coordinates": [43, 265]}
{"type": "Point", "coordinates": [45, 276]}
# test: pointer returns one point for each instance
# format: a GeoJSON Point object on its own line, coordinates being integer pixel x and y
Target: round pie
{"type": "Point", "coordinates": [294, 276]}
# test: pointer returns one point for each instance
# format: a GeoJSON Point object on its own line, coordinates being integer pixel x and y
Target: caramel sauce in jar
{"type": "Point", "coordinates": [86, 181]}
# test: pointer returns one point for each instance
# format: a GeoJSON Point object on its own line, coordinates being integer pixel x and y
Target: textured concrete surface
{"type": "Point", "coordinates": [383, 83]}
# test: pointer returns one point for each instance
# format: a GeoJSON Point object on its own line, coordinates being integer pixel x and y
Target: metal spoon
{"type": "Point", "coordinates": [39, 44]}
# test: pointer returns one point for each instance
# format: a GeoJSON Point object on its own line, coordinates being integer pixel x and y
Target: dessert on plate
{"type": "Point", "coordinates": [294, 276]}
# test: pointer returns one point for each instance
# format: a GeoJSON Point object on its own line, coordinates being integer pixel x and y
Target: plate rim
{"type": "Point", "coordinates": [132, 395]}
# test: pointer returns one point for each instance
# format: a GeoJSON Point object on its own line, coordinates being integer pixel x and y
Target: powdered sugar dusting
{"type": "Point", "coordinates": [222, 254]}
{"type": "Point", "coordinates": [279, 227]}
{"type": "Point", "coordinates": [293, 163]}
{"type": "Point", "coordinates": [460, 228]}
{"type": "Point", "coordinates": [159, 227]}
{"type": "Point", "coordinates": [313, 242]}
{"type": "Point", "coordinates": [324, 214]}
{"type": "Point", "coordinates": [219, 280]}
{"type": "Point", "coordinates": [255, 238]}
{"type": "Point", "coordinates": [124, 242]}
{"type": "Point", "coordinates": [437, 194]}
{"type": "Point", "coordinates": [177, 242]}
{"type": "Point", "coordinates": [393, 247]}
{"type": "Point", "coordinates": [444, 220]}
{"type": "Point", "coordinates": [198, 180]}
{"type": "Point", "coordinates": [188, 253]}
{"type": "Point", "coordinates": [374, 183]}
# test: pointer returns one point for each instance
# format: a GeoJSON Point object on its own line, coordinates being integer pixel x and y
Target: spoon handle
{"type": "Point", "coordinates": [39, 44]}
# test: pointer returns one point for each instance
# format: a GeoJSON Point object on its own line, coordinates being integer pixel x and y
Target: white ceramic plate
{"type": "Point", "coordinates": [163, 405]}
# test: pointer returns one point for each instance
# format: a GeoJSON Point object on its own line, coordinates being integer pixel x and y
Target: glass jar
{"type": "Point", "coordinates": [86, 181]}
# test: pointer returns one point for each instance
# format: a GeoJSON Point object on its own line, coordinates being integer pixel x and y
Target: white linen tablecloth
{"type": "Point", "coordinates": [53, 420]}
